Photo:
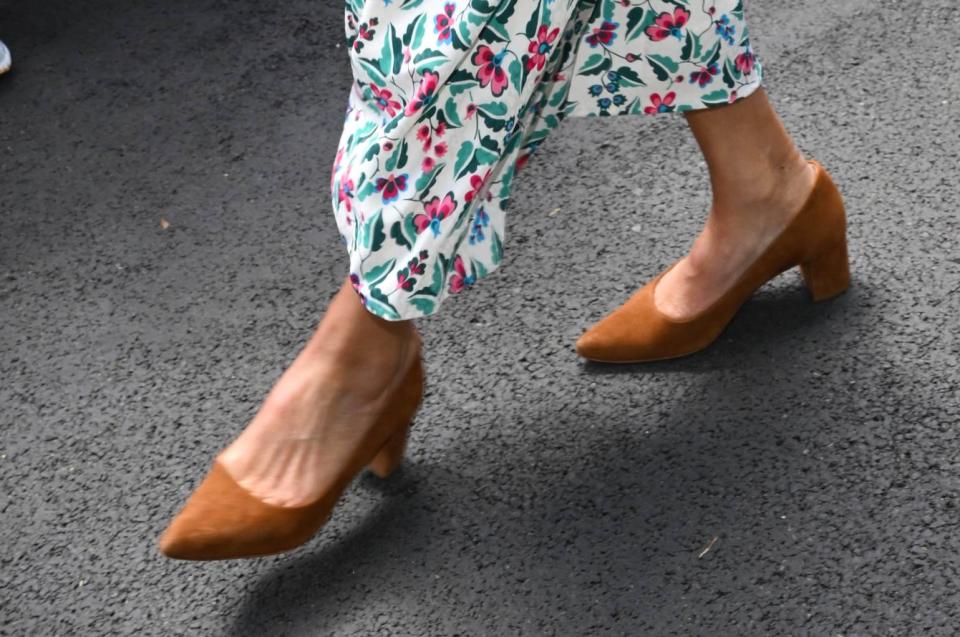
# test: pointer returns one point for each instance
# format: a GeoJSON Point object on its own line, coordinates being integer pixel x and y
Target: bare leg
{"type": "Point", "coordinates": [323, 406]}
{"type": "Point", "coordinates": [759, 180]}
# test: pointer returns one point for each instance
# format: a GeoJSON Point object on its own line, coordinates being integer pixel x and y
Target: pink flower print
{"type": "Point", "coordinates": [603, 34]}
{"type": "Point", "coordinates": [460, 278]}
{"type": "Point", "coordinates": [490, 70]}
{"type": "Point", "coordinates": [433, 213]}
{"type": "Point", "coordinates": [390, 187]}
{"type": "Point", "coordinates": [404, 280]}
{"type": "Point", "coordinates": [660, 105]}
{"type": "Point", "coordinates": [745, 62]}
{"type": "Point", "coordinates": [539, 47]}
{"type": "Point", "coordinates": [426, 92]}
{"type": "Point", "coordinates": [345, 194]}
{"type": "Point", "coordinates": [416, 264]}
{"type": "Point", "coordinates": [521, 162]}
{"type": "Point", "coordinates": [423, 134]}
{"type": "Point", "coordinates": [443, 23]}
{"type": "Point", "coordinates": [440, 149]}
{"type": "Point", "coordinates": [336, 166]}
{"type": "Point", "coordinates": [384, 101]}
{"type": "Point", "coordinates": [476, 185]}
{"type": "Point", "coordinates": [428, 164]}
{"type": "Point", "coordinates": [705, 75]}
{"type": "Point", "coordinates": [440, 129]}
{"type": "Point", "coordinates": [666, 25]}
{"type": "Point", "coordinates": [355, 282]}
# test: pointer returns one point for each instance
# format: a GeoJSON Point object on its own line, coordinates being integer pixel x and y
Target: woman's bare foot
{"type": "Point", "coordinates": [759, 179]}
{"type": "Point", "coordinates": [325, 405]}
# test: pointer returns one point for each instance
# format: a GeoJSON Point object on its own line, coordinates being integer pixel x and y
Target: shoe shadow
{"type": "Point", "coordinates": [723, 506]}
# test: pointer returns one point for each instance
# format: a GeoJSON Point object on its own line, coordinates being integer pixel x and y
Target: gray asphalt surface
{"type": "Point", "coordinates": [815, 447]}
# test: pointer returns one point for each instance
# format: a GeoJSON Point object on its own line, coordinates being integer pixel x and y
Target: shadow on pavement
{"type": "Point", "coordinates": [643, 518]}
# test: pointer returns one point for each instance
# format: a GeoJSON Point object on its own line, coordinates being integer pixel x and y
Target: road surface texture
{"type": "Point", "coordinates": [802, 476]}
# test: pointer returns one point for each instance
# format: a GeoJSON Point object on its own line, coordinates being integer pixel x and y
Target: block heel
{"type": "Point", "coordinates": [828, 275]}
{"type": "Point", "coordinates": [390, 456]}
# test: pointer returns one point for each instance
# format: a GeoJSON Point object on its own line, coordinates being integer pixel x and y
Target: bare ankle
{"type": "Point", "coordinates": [773, 190]}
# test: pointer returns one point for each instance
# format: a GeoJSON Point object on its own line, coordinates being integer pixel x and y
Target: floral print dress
{"type": "Point", "coordinates": [451, 97]}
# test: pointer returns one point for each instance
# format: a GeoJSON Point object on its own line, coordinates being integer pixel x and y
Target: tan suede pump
{"type": "Point", "coordinates": [222, 520]}
{"type": "Point", "coordinates": [815, 240]}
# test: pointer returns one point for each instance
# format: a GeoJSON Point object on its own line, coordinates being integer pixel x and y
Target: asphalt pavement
{"type": "Point", "coordinates": [166, 245]}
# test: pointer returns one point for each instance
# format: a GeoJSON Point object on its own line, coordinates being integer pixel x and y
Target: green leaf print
{"type": "Point", "coordinates": [737, 11]}
{"type": "Point", "coordinates": [379, 304]}
{"type": "Point", "coordinates": [398, 159]}
{"type": "Point", "coordinates": [495, 32]}
{"type": "Point", "coordinates": [424, 305]}
{"type": "Point", "coordinates": [436, 285]}
{"type": "Point", "coordinates": [373, 232]}
{"type": "Point", "coordinates": [482, 6]}
{"type": "Point", "coordinates": [720, 96]}
{"type": "Point", "coordinates": [728, 74]}
{"type": "Point", "coordinates": [379, 273]}
{"type": "Point", "coordinates": [410, 228]}
{"type": "Point", "coordinates": [386, 53]}
{"type": "Point", "coordinates": [496, 249]}
{"type": "Point", "coordinates": [608, 11]}
{"type": "Point", "coordinates": [697, 46]}
{"type": "Point", "coordinates": [559, 96]}
{"type": "Point", "coordinates": [507, 180]}
{"type": "Point", "coordinates": [666, 62]}
{"type": "Point", "coordinates": [426, 180]}
{"type": "Point", "coordinates": [397, 49]}
{"type": "Point", "coordinates": [637, 22]}
{"type": "Point", "coordinates": [464, 32]}
{"type": "Point", "coordinates": [494, 108]}
{"type": "Point", "coordinates": [687, 46]}
{"type": "Point", "coordinates": [373, 71]}
{"type": "Point", "coordinates": [371, 152]}
{"type": "Point", "coordinates": [460, 80]}
{"type": "Point", "coordinates": [712, 55]}
{"type": "Point", "coordinates": [478, 269]}
{"type": "Point", "coordinates": [450, 112]}
{"type": "Point", "coordinates": [408, 34]}
{"type": "Point", "coordinates": [595, 64]}
{"type": "Point", "coordinates": [366, 190]}
{"type": "Point", "coordinates": [429, 59]}
{"type": "Point", "coordinates": [505, 11]}
{"type": "Point", "coordinates": [418, 32]}
{"type": "Point", "coordinates": [533, 22]}
{"type": "Point", "coordinates": [662, 74]}
{"type": "Point", "coordinates": [489, 142]}
{"type": "Point", "coordinates": [396, 232]}
{"type": "Point", "coordinates": [463, 156]}
{"type": "Point", "coordinates": [476, 18]}
{"type": "Point", "coordinates": [484, 156]}
{"type": "Point", "coordinates": [516, 73]}
{"type": "Point", "coordinates": [628, 77]}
